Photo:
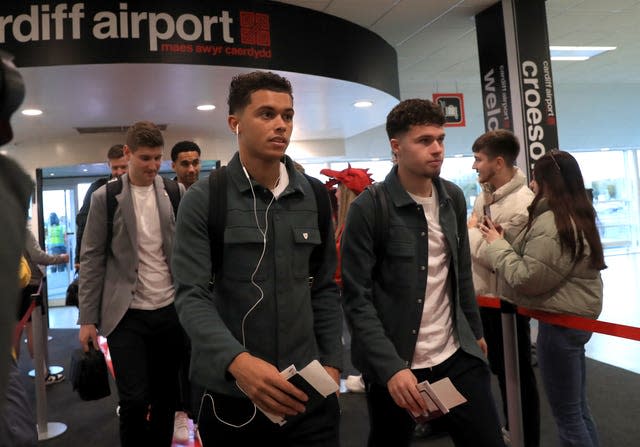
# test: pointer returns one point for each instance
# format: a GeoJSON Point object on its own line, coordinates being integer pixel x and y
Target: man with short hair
{"type": "Point", "coordinates": [408, 294]}
{"type": "Point", "coordinates": [117, 163]}
{"type": "Point", "coordinates": [185, 161]}
{"type": "Point", "coordinates": [504, 199]}
{"type": "Point", "coordinates": [126, 290]}
{"type": "Point", "coordinates": [262, 315]}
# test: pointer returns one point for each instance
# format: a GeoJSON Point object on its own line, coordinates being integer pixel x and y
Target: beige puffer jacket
{"type": "Point", "coordinates": [535, 273]}
{"type": "Point", "coordinates": [508, 205]}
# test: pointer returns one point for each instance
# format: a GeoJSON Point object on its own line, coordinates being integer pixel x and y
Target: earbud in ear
{"type": "Point", "coordinates": [237, 128]}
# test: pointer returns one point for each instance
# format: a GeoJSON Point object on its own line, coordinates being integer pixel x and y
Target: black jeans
{"type": "Point", "coordinates": [319, 428]}
{"type": "Point", "coordinates": [146, 350]}
{"type": "Point", "coordinates": [492, 324]}
{"type": "Point", "coordinates": [472, 424]}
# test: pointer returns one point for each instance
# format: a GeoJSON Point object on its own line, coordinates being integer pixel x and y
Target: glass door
{"type": "Point", "coordinates": [59, 216]}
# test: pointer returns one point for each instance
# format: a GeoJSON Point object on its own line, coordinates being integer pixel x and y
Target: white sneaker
{"type": "Point", "coordinates": [181, 428]}
{"type": "Point", "coordinates": [355, 384]}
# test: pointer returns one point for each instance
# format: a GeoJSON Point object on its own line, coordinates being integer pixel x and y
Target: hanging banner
{"type": "Point", "coordinates": [535, 81]}
{"type": "Point", "coordinates": [453, 107]}
{"type": "Point", "coordinates": [254, 34]}
{"type": "Point", "coordinates": [494, 70]}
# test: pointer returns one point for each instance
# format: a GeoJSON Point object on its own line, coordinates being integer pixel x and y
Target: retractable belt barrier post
{"type": "Point", "coordinates": [46, 430]}
{"type": "Point", "coordinates": [512, 375]}
{"type": "Point", "coordinates": [509, 338]}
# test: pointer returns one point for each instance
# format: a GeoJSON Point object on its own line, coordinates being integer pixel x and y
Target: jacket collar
{"type": "Point", "coordinates": [240, 180]}
{"type": "Point", "coordinates": [541, 207]}
{"type": "Point", "coordinates": [517, 181]}
{"type": "Point", "coordinates": [399, 195]}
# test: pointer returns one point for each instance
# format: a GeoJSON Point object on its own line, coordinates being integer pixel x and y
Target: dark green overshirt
{"type": "Point", "coordinates": [384, 308]}
{"type": "Point", "coordinates": [293, 323]}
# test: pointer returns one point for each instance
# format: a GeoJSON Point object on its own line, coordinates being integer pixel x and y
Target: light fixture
{"type": "Point", "coordinates": [85, 170]}
{"type": "Point", "coordinates": [51, 174]}
{"type": "Point", "coordinates": [363, 103]}
{"type": "Point", "coordinates": [576, 53]}
{"type": "Point", "coordinates": [32, 112]}
{"type": "Point", "coordinates": [206, 107]}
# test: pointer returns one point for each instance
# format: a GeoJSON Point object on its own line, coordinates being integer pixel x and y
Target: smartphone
{"type": "Point", "coordinates": [487, 216]}
{"type": "Point", "coordinates": [486, 209]}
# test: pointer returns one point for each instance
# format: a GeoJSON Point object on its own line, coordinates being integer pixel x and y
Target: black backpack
{"type": "Point", "coordinates": [217, 218]}
{"type": "Point", "coordinates": [381, 220]}
{"type": "Point", "coordinates": [114, 187]}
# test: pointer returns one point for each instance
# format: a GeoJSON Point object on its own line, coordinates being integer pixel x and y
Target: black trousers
{"type": "Point", "coordinates": [318, 428]}
{"type": "Point", "coordinates": [492, 324]}
{"type": "Point", "coordinates": [474, 423]}
{"type": "Point", "coordinates": [146, 350]}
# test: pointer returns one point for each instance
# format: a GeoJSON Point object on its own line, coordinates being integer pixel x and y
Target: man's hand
{"type": "Point", "coordinates": [64, 258]}
{"type": "Point", "coordinates": [264, 385]}
{"type": "Point", "coordinates": [88, 332]}
{"type": "Point", "coordinates": [483, 346]}
{"type": "Point", "coordinates": [402, 387]}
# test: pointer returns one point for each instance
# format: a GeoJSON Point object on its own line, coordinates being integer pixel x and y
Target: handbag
{"type": "Point", "coordinates": [89, 376]}
{"type": "Point", "coordinates": [71, 298]}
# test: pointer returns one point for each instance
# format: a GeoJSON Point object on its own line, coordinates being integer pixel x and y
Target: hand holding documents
{"type": "Point", "coordinates": [440, 397]}
{"type": "Point", "coordinates": [313, 380]}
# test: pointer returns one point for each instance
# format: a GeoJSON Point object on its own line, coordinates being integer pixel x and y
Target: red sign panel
{"type": "Point", "coordinates": [453, 107]}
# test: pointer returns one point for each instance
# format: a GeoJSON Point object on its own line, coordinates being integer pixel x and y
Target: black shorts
{"type": "Point", "coordinates": [25, 301]}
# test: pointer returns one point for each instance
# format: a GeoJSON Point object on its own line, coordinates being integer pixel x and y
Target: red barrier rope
{"type": "Point", "coordinates": [570, 321]}
{"type": "Point", "coordinates": [23, 322]}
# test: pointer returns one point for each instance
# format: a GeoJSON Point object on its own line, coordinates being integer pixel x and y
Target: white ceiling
{"type": "Point", "coordinates": [436, 45]}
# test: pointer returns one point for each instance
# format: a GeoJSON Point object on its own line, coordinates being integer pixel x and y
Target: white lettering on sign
{"type": "Point", "coordinates": [491, 101]}
{"type": "Point", "coordinates": [43, 23]}
{"type": "Point", "coordinates": [533, 112]}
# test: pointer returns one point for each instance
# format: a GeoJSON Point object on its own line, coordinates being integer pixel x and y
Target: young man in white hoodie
{"type": "Point", "coordinates": [505, 197]}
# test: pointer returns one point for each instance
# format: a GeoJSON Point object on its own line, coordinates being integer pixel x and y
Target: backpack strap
{"type": "Point", "coordinates": [114, 187]}
{"type": "Point", "coordinates": [381, 220]}
{"type": "Point", "coordinates": [324, 222]}
{"type": "Point", "coordinates": [173, 190]}
{"type": "Point", "coordinates": [217, 217]}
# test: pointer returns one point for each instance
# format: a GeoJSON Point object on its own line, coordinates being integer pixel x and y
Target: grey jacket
{"type": "Point", "coordinates": [537, 274]}
{"type": "Point", "coordinates": [108, 275]}
{"type": "Point", "coordinates": [384, 305]}
{"type": "Point", "coordinates": [36, 257]}
{"type": "Point", "coordinates": [291, 323]}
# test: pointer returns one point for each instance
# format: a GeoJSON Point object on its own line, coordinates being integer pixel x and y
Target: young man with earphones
{"type": "Point", "coordinates": [260, 315]}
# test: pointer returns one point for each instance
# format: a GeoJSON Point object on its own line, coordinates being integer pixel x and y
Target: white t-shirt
{"type": "Point", "coordinates": [436, 338]}
{"type": "Point", "coordinates": [283, 181]}
{"type": "Point", "coordinates": [154, 288]}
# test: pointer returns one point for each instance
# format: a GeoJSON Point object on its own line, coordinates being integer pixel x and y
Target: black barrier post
{"type": "Point", "coordinates": [512, 373]}
{"type": "Point", "coordinates": [46, 430]}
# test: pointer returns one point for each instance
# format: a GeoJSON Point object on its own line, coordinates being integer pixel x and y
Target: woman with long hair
{"type": "Point", "coordinates": [350, 183]}
{"type": "Point", "coordinates": [554, 265]}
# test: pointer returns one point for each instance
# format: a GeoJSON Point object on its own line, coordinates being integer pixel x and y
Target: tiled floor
{"type": "Point", "coordinates": [621, 305]}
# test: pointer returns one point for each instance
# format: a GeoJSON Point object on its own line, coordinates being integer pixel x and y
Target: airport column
{"type": "Point", "coordinates": [518, 95]}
